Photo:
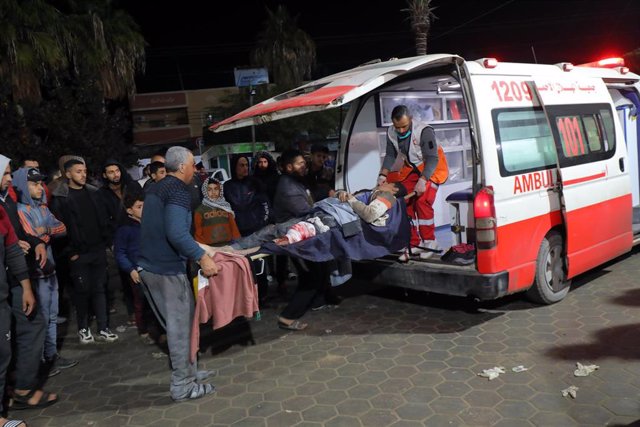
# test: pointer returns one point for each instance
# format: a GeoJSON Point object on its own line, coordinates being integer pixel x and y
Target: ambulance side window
{"type": "Point", "coordinates": [583, 133]}
{"type": "Point", "coordinates": [524, 140]}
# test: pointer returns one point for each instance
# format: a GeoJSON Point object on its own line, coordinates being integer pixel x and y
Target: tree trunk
{"type": "Point", "coordinates": [420, 32]}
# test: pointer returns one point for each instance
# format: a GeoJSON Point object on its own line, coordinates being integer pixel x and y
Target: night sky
{"type": "Point", "coordinates": [196, 44]}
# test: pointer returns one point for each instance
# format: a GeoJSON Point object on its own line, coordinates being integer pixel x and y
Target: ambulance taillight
{"type": "Point", "coordinates": [484, 212]}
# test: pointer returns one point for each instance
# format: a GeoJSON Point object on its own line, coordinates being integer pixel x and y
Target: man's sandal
{"type": "Point", "coordinates": [296, 325]}
{"type": "Point", "coordinates": [14, 423]}
{"type": "Point", "coordinates": [22, 402]}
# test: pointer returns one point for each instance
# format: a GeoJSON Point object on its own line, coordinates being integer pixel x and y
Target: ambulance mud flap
{"type": "Point", "coordinates": [442, 279]}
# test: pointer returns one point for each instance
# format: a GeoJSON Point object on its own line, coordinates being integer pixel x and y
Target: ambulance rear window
{"type": "Point", "coordinates": [524, 140]}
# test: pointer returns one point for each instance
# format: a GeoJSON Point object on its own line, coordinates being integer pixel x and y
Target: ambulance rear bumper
{"type": "Point", "coordinates": [434, 277]}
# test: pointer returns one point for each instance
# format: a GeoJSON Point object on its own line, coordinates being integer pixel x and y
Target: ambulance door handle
{"type": "Point", "coordinates": [621, 164]}
{"type": "Point", "coordinates": [554, 189]}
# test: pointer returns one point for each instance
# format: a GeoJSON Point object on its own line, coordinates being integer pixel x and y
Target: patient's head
{"type": "Point", "coordinates": [395, 188]}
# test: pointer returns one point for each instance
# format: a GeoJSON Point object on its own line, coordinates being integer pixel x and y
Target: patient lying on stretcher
{"type": "Point", "coordinates": [375, 212]}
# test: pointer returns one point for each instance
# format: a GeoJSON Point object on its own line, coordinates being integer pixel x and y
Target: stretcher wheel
{"type": "Point", "coordinates": [551, 284]}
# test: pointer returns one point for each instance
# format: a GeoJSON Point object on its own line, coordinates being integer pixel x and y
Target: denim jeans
{"type": "Point", "coordinates": [47, 291]}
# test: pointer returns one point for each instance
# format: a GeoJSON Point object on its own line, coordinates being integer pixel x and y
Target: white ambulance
{"type": "Point", "coordinates": [543, 163]}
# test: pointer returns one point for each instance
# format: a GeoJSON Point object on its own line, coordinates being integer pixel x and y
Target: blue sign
{"type": "Point", "coordinates": [251, 76]}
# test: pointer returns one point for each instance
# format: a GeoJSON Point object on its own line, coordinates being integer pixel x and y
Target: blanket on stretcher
{"type": "Point", "coordinates": [372, 242]}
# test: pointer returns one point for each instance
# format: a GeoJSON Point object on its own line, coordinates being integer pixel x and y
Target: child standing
{"type": "Point", "coordinates": [126, 245]}
{"type": "Point", "coordinates": [37, 220]}
{"type": "Point", "coordinates": [214, 220]}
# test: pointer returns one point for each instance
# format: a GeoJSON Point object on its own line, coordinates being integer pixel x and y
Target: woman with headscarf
{"type": "Point", "coordinates": [214, 220]}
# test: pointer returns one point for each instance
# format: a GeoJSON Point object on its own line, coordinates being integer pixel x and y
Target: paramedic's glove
{"type": "Point", "coordinates": [381, 179]}
{"type": "Point", "coordinates": [421, 186]}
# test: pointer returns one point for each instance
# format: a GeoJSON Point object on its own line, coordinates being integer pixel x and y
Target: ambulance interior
{"type": "Point", "coordinates": [434, 98]}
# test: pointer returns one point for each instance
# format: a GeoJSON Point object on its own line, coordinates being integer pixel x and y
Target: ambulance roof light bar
{"type": "Point", "coordinates": [613, 62]}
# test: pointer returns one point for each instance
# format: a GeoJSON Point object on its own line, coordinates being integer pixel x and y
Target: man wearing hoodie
{"type": "Point", "coordinates": [11, 258]}
{"type": "Point", "coordinates": [78, 205]}
{"type": "Point", "coordinates": [117, 183]}
{"type": "Point", "coordinates": [37, 220]}
{"type": "Point", "coordinates": [29, 324]}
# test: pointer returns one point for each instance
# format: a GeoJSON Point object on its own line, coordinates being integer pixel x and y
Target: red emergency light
{"type": "Point", "coordinates": [489, 62]}
{"type": "Point", "coordinates": [605, 63]}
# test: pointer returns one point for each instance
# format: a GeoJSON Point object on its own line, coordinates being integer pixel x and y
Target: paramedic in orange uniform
{"type": "Point", "coordinates": [414, 158]}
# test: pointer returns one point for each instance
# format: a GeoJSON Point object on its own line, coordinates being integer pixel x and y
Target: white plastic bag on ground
{"type": "Point", "coordinates": [584, 370]}
{"type": "Point", "coordinates": [492, 373]}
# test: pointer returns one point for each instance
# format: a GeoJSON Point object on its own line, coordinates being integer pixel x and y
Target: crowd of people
{"type": "Point", "coordinates": [62, 231]}
{"type": "Point", "coordinates": [161, 231]}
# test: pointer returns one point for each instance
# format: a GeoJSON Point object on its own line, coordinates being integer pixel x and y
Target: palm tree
{"type": "Point", "coordinates": [287, 51]}
{"type": "Point", "coordinates": [40, 42]}
{"type": "Point", "coordinates": [33, 44]}
{"type": "Point", "coordinates": [106, 46]}
{"type": "Point", "coordinates": [420, 13]}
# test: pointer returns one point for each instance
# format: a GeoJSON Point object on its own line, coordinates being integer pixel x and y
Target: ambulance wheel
{"type": "Point", "coordinates": [551, 284]}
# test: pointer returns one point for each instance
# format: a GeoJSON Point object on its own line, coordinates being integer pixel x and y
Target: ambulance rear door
{"type": "Point", "coordinates": [593, 179]}
{"type": "Point", "coordinates": [332, 91]}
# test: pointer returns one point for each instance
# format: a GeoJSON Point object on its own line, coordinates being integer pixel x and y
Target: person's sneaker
{"type": "Point", "coordinates": [292, 276]}
{"type": "Point", "coordinates": [53, 372]}
{"type": "Point", "coordinates": [85, 336]}
{"type": "Point", "coordinates": [327, 307]}
{"type": "Point", "coordinates": [146, 339]}
{"type": "Point", "coordinates": [61, 320]}
{"type": "Point", "coordinates": [107, 336]}
{"type": "Point", "coordinates": [429, 248]}
{"type": "Point", "coordinates": [112, 310]}
{"type": "Point", "coordinates": [63, 363]}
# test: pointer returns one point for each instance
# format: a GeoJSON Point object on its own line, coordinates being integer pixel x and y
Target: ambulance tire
{"type": "Point", "coordinates": [550, 269]}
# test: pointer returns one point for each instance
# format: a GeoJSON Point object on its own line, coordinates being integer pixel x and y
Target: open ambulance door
{"type": "Point", "coordinates": [331, 92]}
{"type": "Point", "coordinates": [593, 182]}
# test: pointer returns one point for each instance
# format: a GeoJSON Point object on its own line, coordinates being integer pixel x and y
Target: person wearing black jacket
{"type": "Point", "coordinates": [266, 174]}
{"type": "Point", "coordinates": [117, 183]}
{"type": "Point", "coordinates": [251, 207]}
{"type": "Point", "coordinates": [79, 206]}
{"type": "Point", "coordinates": [293, 200]}
{"type": "Point", "coordinates": [29, 324]}
{"type": "Point", "coordinates": [243, 192]}
{"type": "Point", "coordinates": [11, 261]}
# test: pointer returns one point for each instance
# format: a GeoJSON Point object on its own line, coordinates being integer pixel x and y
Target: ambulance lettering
{"type": "Point", "coordinates": [533, 181]}
{"type": "Point", "coordinates": [510, 91]}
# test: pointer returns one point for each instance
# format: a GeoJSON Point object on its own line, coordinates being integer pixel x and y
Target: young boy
{"type": "Point", "coordinates": [126, 246]}
{"type": "Point", "coordinates": [214, 221]}
{"type": "Point", "coordinates": [157, 171]}
{"type": "Point", "coordinates": [37, 220]}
